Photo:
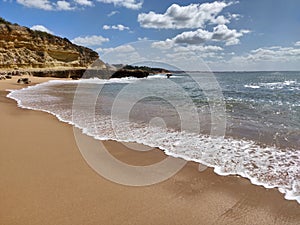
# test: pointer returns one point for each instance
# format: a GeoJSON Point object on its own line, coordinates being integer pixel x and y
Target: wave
{"type": "Point", "coordinates": [252, 86]}
{"type": "Point", "coordinates": [287, 84]}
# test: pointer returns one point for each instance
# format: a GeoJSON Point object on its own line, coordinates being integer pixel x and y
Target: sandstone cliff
{"type": "Point", "coordinates": [23, 48]}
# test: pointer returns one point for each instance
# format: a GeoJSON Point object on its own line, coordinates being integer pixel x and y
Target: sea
{"type": "Point", "coordinates": [239, 123]}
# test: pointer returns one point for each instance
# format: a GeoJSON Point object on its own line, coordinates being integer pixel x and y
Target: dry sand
{"type": "Point", "coordinates": [45, 180]}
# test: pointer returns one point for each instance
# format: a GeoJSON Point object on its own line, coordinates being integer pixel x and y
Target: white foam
{"type": "Point", "coordinates": [96, 81]}
{"type": "Point", "coordinates": [164, 76]}
{"type": "Point", "coordinates": [289, 84]}
{"type": "Point", "coordinates": [252, 86]}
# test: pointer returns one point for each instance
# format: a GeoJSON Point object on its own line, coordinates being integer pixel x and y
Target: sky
{"type": "Point", "coordinates": [224, 35]}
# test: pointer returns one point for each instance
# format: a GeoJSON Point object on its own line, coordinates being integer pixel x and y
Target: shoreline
{"type": "Point", "coordinates": [45, 180]}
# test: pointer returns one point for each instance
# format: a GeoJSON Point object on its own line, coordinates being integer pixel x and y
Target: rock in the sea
{"type": "Point", "coordinates": [130, 73]}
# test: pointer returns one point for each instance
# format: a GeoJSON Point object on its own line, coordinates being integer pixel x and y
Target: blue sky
{"type": "Point", "coordinates": [223, 35]}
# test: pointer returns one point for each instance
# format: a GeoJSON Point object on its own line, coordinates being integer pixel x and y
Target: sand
{"type": "Point", "coordinates": [45, 180]}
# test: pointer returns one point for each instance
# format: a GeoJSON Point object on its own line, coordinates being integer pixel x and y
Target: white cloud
{"type": "Point", "coordinates": [297, 43]}
{"type": "Point", "coordinates": [195, 17]}
{"type": "Point", "coordinates": [208, 48]}
{"type": "Point", "coordinates": [275, 53]}
{"type": "Point", "coordinates": [193, 37]}
{"type": "Point", "coordinates": [75, 4]}
{"type": "Point", "coordinates": [220, 33]}
{"type": "Point", "coordinates": [41, 28]}
{"type": "Point", "coordinates": [119, 49]}
{"type": "Point", "coordinates": [90, 40]}
{"type": "Point", "coordinates": [167, 44]}
{"type": "Point", "coordinates": [265, 58]}
{"type": "Point", "coordinates": [61, 5]}
{"type": "Point", "coordinates": [84, 2]}
{"type": "Point", "coordinates": [49, 5]}
{"type": "Point", "coordinates": [113, 13]}
{"type": "Point", "coordinates": [235, 16]}
{"type": "Point", "coordinates": [39, 4]}
{"type": "Point", "coordinates": [231, 37]}
{"type": "Point", "coordinates": [130, 4]}
{"type": "Point", "coordinates": [119, 27]}
{"type": "Point", "coordinates": [64, 5]}
{"type": "Point", "coordinates": [191, 16]}
{"type": "Point", "coordinates": [106, 27]}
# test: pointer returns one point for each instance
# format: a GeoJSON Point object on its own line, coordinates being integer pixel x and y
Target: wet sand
{"type": "Point", "coordinates": [45, 180]}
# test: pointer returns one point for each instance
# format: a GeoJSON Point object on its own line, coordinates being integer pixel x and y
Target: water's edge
{"type": "Point", "coordinates": [289, 195]}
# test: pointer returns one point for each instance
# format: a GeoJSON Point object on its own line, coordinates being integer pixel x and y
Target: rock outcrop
{"type": "Point", "coordinates": [23, 48]}
{"type": "Point", "coordinates": [137, 71]}
{"type": "Point", "coordinates": [130, 73]}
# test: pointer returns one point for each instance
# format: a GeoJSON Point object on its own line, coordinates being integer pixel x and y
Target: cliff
{"type": "Point", "coordinates": [23, 48]}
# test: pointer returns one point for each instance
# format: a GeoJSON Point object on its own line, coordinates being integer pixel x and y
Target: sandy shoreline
{"type": "Point", "coordinates": [45, 180]}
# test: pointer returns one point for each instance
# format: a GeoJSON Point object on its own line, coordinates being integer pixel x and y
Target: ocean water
{"type": "Point", "coordinates": [243, 123]}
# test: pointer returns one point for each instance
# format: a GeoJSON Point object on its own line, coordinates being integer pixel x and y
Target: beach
{"type": "Point", "coordinates": [45, 180]}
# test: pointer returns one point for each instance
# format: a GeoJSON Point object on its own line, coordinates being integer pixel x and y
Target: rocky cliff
{"type": "Point", "coordinates": [23, 48]}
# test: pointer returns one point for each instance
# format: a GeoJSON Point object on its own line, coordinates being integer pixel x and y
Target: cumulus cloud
{"type": "Point", "coordinates": [191, 16]}
{"type": "Point", "coordinates": [84, 2]}
{"type": "Point", "coordinates": [220, 33]}
{"type": "Point", "coordinates": [106, 27]}
{"type": "Point", "coordinates": [193, 37]}
{"type": "Point", "coordinates": [39, 4]}
{"type": "Point", "coordinates": [223, 33]}
{"type": "Point", "coordinates": [64, 5]}
{"type": "Point", "coordinates": [119, 27]}
{"type": "Point", "coordinates": [61, 5]}
{"type": "Point", "coordinates": [48, 5]}
{"type": "Point", "coordinates": [130, 4]}
{"type": "Point", "coordinates": [93, 40]}
{"type": "Point", "coordinates": [41, 28]}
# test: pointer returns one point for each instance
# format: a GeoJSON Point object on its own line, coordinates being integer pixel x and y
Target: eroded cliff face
{"type": "Point", "coordinates": [23, 48]}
